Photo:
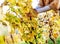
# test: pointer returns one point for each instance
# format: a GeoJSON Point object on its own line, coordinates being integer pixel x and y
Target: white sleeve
{"type": "Point", "coordinates": [35, 3]}
{"type": "Point", "coordinates": [39, 9]}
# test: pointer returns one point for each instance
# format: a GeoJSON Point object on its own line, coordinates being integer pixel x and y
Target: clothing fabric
{"type": "Point", "coordinates": [40, 7]}
{"type": "Point", "coordinates": [44, 5]}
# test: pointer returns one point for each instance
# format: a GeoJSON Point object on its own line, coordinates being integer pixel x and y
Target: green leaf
{"type": "Point", "coordinates": [50, 41]}
{"type": "Point", "coordinates": [22, 42]}
{"type": "Point", "coordinates": [58, 40]}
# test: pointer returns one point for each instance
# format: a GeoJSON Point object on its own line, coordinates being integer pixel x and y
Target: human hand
{"type": "Point", "coordinates": [54, 5]}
